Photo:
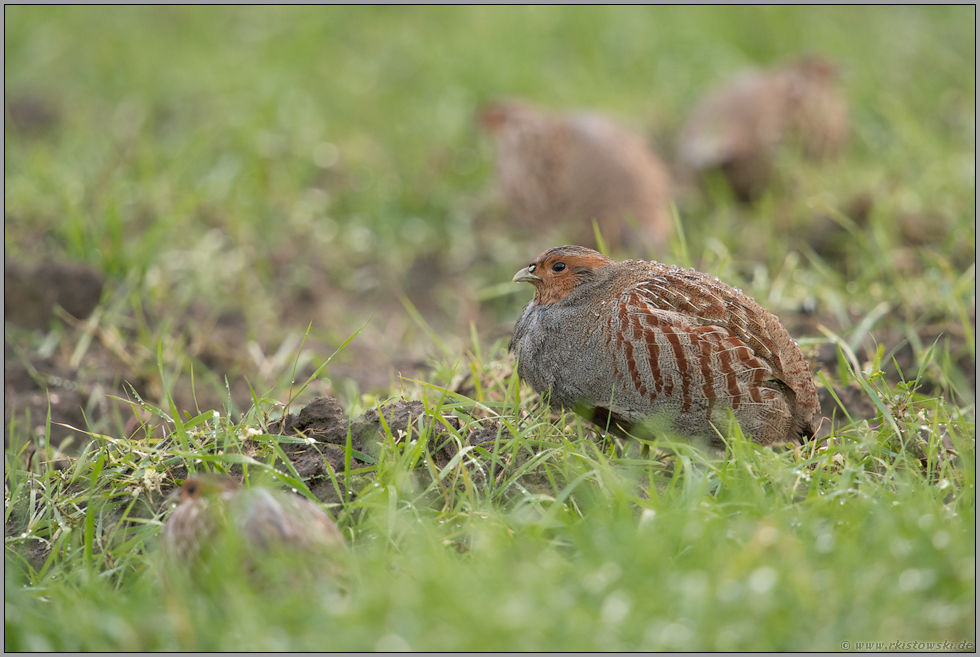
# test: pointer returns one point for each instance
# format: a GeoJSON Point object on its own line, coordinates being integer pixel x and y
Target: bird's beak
{"type": "Point", "coordinates": [524, 276]}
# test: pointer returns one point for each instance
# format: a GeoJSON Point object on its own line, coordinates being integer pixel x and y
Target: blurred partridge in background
{"type": "Point", "coordinates": [557, 170]}
{"type": "Point", "coordinates": [268, 522]}
{"type": "Point", "coordinates": [626, 342]}
{"type": "Point", "coordinates": [739, 127]}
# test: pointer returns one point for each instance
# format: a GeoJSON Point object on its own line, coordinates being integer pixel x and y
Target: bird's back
{"type": "Point", "coordinates": [752, 336]}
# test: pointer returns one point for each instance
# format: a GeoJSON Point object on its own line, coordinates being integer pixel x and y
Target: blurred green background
{"type": "Point", "coordinates": [214, 150]}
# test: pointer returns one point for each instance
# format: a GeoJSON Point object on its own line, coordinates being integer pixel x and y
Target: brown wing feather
{"type": "Point", "coordinates": [718, 344]}
{"type": "Point", "coordinates": [710, 302]}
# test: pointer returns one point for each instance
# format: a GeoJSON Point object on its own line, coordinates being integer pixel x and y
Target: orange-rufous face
{"type": "Point", "coordinates": [557, 271]}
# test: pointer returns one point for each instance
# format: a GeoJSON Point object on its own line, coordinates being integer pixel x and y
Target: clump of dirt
{"type": "Point", "coordinates": [488, 434]}
{"type": "Point", "coordinates": [404, 418]}
{"type": "Point", "coordinates": [30, 293]}
{"type": "Point", "coordinates": [323, 422]}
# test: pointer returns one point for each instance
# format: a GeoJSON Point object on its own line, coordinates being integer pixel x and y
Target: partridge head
{"type": "Point", "coordinates": [627, 342]}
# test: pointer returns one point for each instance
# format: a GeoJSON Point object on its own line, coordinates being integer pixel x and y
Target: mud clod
{"type": "Point", "coordinates": [487, 435]}
{"type": "Point", "coordinates": [403, 417]}
{"type": "Point", "coordinates": [322, 420]}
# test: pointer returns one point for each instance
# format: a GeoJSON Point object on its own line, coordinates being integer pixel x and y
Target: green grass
{"type": "Point", "coordinates": [586, 545]}
{"type": "Point", "coordinates": [243, 160]}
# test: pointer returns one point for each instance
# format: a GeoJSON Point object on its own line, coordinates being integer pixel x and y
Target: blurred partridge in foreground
{"type": "Point", "coordinates": [739, 127]}
{"type": "Point", "coordinates": [212, 507]}
{"type": "Point", "coordinates": [568, 170]}
{"type": "Point", "coordinates": [624, 342]}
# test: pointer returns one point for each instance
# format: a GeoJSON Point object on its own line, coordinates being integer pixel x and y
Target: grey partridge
{"type": "Point", "coordinates": [212, 506]}
{"type": "Point", "coordinates": [627, 342]}
{"type": "Point", "coordinates": [739, 127]}
{"type": "Point", "coordinates": [557, 170]}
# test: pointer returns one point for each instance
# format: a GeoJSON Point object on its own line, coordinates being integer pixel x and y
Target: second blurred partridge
{"type": "Point", "coordinates": [267, 521]}
{"type": "Point", "coordinates": [558, 170]}
{"type": "Point", "coordinates": [739, 127]}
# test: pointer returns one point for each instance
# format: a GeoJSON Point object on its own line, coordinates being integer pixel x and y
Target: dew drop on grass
{"type": "Point", "coordinates": [914, 579]}
{"type": "Point", "coordinates": [763, 579]}
{"type": "Point", "coordinates": [392, 643]}
{"type": "Point", "coordinates": [615, 608]}
{"type": "Point", "coordinates": [695, 587]}
{"type": "Point", "coordinates": [941, 539]}
{"type": "Point", "coordinates": [901, 548]}
{"type": "Point", "coordinates": [768, 535]}
{"type": "Point", "coordinates": [942, 615]}
{"type": "Point", "coordinates": [670, 636]}
{"type": "Point", "coordinates": [728, 639]}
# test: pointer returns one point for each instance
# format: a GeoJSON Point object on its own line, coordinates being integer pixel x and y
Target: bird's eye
{"type": "Point", "coordinates": [531, 267]}
{"type": "Point", "coordinates": [558, 266]}
{"type": "Point", "coordinates": [191, 489]}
